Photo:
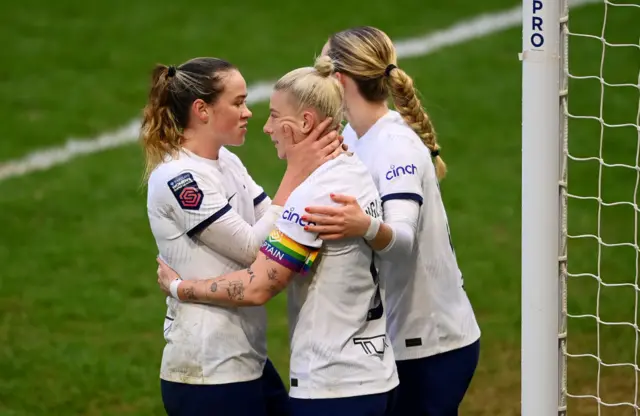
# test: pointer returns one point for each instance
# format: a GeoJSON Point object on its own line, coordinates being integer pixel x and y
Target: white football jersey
{"type": "Point", "coordinates": [428, 311]}
{"type": "Point", "coordinates": [339, 346]}
{"type": "Point", "coordinates": [205, 344]}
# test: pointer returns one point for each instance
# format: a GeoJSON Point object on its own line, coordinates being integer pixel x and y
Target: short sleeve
{"type": "Point", "coordinates": [197, 201]}
{"type": "Point", "coordinates": [399, 171]}
{"type": "Point", "coordinates": [291, 223]}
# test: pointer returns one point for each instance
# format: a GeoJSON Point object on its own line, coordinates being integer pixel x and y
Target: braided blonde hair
{"type": "Point", "coordinates": [367, 55]}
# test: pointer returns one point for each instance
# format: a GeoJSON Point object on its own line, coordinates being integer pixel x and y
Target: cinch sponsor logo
{"type": "Point", "coordinates": [395, 172]}
{"type": "Point", "coordinates": [291, 215]}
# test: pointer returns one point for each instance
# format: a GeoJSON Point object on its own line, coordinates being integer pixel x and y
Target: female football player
{"type": "Point", "coordinates": [214, 357]}
{"type": "Point", "coordinates": [431, 323]}
{"type": "Point", "coordinates": [341, 363]}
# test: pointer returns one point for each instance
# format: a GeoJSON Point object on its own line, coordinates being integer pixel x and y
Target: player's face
{"type": "Point", "coordinates": [283, 125]}
{"type": "Point", "coordinates": [230, 113]}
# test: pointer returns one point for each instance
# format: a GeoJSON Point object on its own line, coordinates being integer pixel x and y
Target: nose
{"type": "Point", "coordinates": [247, 113]}
{"type": "Point", "coordinates": [267, 129]}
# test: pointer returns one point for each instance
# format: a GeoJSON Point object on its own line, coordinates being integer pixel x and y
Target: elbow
{"type": "Point", "coordinates": [257, 296]}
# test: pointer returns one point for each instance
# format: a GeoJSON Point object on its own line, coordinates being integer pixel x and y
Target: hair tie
{"type": "Point", "coordinates": [171, 71]}
{"type": "Point", "coordinates": [388, 70]}
{"type": "Point", "coordinates": [435, 153]}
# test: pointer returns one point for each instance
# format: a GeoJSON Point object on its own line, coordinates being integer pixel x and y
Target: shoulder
{"type": "Point", "coordinates": [182, 172]}
{"type": "Point", "coordinates": [344, 174]}
{"type": "Point", "coordinates": [232, 159]}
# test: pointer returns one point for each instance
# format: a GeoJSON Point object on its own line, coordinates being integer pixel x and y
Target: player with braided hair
{"type": "Point", "coordinates": [430, 320]}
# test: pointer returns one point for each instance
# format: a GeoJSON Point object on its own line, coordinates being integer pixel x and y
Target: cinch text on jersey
{"type": "Point", "coordinates": [394, 172]}
{"type": "Point", "coordinates": [290, 215]}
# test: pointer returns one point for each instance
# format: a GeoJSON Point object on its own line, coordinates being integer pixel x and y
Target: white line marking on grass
{"type": "Point", "coordinates": [465, 30]}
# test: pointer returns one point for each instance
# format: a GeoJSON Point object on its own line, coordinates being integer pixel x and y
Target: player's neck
{"type": "Point", "coordinates": [201, 146]}
{"type": "Point", "coordinates": [362, 114]}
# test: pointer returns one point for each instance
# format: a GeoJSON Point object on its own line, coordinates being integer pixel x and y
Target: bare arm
{"type": "Point", "coordinates": [279, 259]}
{"type": "Point", "coordinates": [252, 286]}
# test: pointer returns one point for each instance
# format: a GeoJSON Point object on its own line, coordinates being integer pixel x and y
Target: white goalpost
{"type": "Point", "coordinates": [542, 56]}
{"type": "Point", "coordinates": [546, 272]}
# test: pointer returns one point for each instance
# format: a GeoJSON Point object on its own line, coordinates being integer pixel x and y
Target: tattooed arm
{"type": "Point", "coordinates": [252, 286]}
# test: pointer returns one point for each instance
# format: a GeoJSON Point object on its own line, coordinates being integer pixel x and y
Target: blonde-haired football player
{"type": "Point", "coordinates": [341, 362]}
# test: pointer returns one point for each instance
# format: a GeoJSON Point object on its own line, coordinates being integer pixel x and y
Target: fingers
{"type": "Point", "coordinates": [328, 139]}
{"type": "Point", "coordinates": [337, 152]}
{"type": "Point", "coordinates": [322, 210]}
{"type": "Point", "coordinates": [343, 199]}
{"type": "Point", "coordinates": [320, 128]}
{"type": "Point", "coordinates": [329, 237]}
{"type": "Point", "coordinates": [331, 150]}
{"type": "Point", "coordinates": [323, 219]}
{"type": "Point", "coordinates": [287, 131]}
{"type": "Point", "coordinates": [324, 229]}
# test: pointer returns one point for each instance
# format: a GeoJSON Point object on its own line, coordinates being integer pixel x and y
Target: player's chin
{"type": "Point", "coordinates": [238, 140]}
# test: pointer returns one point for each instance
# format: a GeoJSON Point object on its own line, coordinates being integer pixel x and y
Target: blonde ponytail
{"type": "Point", "coordinates": [313, 87]}
{"type": "Point", "coordinates": [406, 101]}
{"type": "Point", "coordinates": [324, 66]}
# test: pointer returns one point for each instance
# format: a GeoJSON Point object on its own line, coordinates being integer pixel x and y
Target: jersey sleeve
{"type": "Point", "coordinates": [399, 173]}
{"type": "Point", "coordinates": [197, 201]}
{"type": "Point", "coordinates": [290, 244]}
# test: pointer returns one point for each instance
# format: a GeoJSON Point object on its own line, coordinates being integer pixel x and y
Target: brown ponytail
{"type": "Point", "coordinates": [160, 134]}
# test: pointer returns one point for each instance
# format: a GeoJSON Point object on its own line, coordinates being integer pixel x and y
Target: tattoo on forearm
{"type": "Point", "coordinates": [189, 293]}
{"type": "Point", "coordinates": [273, 289]}
{"type": "Point", "coordinates": [236, 290]}
{"type": "Point", "coordinates": [272, 274]}
{"type": "Point", "coordinates": [214, 286]}
{"type": "Point", "coordinates": [252, 275]}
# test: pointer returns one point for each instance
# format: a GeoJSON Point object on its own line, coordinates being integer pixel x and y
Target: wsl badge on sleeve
{"type": "Point", "coordinates": [186, 191]}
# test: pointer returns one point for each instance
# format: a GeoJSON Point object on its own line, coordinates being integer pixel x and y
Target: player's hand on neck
{"type": "Point", "coordinates": [321, 144]}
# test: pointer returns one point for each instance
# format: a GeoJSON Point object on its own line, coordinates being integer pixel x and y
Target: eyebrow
{"type": "Point", "coordinates": [242, 96]}
{"type": "Point", "coordinates": [273, 110]}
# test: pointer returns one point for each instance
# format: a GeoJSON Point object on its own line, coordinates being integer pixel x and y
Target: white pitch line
{"type": "Point", "coordinates": [465, 30]}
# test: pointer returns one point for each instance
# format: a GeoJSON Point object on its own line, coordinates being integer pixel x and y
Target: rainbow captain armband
{"type": "Point", "coordinates": [290, 254]}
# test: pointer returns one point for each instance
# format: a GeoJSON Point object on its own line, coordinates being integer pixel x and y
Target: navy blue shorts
{"type": "Point", "coordinates": [436, 385]}
{"type": "Point", "coordinates": [369, 405]}
{"type": "Point", "coordinates": [266, 396]}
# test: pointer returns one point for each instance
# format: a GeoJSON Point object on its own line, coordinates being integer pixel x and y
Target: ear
{"type": "Point", "coordinates": [342, 78]}
{"type": "Point", "coordinates": [309, 121]}
{"type": "Point", "coordinates": [200, 110]}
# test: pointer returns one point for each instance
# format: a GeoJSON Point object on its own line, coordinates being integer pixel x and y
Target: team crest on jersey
{"type": "Point", "coordinates": [186, 191]}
